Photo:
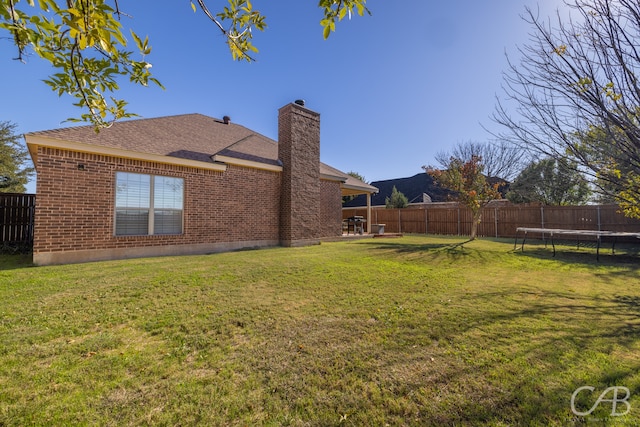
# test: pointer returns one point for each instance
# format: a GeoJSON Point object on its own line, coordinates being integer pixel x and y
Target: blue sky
{"type": "Point", "coordinates": [393, 89]}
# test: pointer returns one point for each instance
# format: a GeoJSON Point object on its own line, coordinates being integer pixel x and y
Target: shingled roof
{"type": "Point", "coordinates": [412, 187]}
{"type": "Point", "coordinates": [187, 136]}
{"type": "Point", "coordinates": [193, 137]}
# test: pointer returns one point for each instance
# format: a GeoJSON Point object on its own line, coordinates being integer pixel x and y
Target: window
{"type": "Point", "coordinates": [147, 204]}
{"type": "Point", "coordinates": [167, 205]}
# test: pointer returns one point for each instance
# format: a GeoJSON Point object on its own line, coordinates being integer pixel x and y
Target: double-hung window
{"type": "Point", "coordinates": [148, 204]}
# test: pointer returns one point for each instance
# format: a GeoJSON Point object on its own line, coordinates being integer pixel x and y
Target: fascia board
{"type": "Point", "coordinates": [34, 141]}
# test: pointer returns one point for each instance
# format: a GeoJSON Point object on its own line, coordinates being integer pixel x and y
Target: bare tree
{"type": "Point", "coordinates": [499, 159]}
{"type": "Point", "coordinates": [577, 96]}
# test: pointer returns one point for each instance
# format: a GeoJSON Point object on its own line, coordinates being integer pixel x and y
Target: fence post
{"type": "Point", "coordinates": [458, 220]}
{"type": "Point", "coordinates": [399, 222]}
{"type": "Point", "coordinates": [426, 221]}
{"type": "Point", "coordinates": [495, 220]}
{"type": "Point", "coordinates": [542, 221]}
{"type": "Point", "coordinates": [599, 225]}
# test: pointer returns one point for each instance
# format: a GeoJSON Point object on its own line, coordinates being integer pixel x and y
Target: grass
{"type": "Point", "coordinates": [410, 331]}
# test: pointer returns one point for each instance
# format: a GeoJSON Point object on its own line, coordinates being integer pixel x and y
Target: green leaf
{"type": "Point", "coordinates": [343, 13]}
{"type": "Point", "coordinates": [137, 39]}
{"type": "Point", "coordinates": [326, 32]}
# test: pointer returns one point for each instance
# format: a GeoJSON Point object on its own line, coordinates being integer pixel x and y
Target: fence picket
{"type": "Point", "coordinates": [497, 220]}
{"type": "Point", "coordinates": [16, 218]}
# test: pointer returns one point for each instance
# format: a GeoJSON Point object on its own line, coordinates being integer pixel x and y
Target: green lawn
{"type": "Point", "coordinates": [408, 331]}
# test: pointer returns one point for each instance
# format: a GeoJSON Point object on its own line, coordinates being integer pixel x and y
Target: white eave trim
{"type": "Point", "coordinates": [35, 141]}
{"type": "Point", "coordinates": [329, 177]}
{"type": "Point", "coordinates": [368, 189]}
{"type": "Point", "coordinates": [246, 163]}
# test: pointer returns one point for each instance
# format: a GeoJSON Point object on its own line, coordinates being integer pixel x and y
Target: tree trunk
{"type": "Point", "coordinates": [474, 225]}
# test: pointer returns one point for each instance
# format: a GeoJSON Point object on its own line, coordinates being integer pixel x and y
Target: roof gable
{"type": "Point", "coordinates": [188, 136]}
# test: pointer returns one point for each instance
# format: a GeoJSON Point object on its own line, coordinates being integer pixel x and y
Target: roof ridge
{"type": "Point", "coordinates": [120, 122]}
{"type": "Point", "coordinates": [241, 139]}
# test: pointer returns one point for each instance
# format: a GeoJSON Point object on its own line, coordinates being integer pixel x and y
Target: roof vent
{"type": "Point", "coordinates": [226, 120]}
{"type": "Point", "coordinates": [299, 102]}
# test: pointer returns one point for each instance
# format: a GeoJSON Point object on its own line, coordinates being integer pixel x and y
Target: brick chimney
{"type": "Point", "coordinates": [299, 152]}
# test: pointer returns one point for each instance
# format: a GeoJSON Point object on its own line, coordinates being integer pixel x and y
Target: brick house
{"type": "Point", "coordinates": [185, 184]}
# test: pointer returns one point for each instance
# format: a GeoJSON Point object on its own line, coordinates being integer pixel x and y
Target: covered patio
{"type": "Point", "coordinates": [350, 186]}
{"type": "Point", "coordinates": [354, 187]}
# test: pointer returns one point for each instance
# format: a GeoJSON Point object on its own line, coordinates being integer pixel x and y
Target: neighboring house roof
{"type": "Point", "coordinates": [183, 139]}
{"type": "Point", "coordinates": [412, 187]}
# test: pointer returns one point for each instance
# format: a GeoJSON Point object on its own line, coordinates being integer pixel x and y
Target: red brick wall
{"type": "Point", "coordinates": [330, 209]}
{"type": "Point", "coordinates": [75, 208]}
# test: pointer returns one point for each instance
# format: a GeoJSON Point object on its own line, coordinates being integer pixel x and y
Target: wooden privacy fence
{"type": "Point", "coordinates": [16, 218]}
{"type": "Point", "coordinates": [498, 220]}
